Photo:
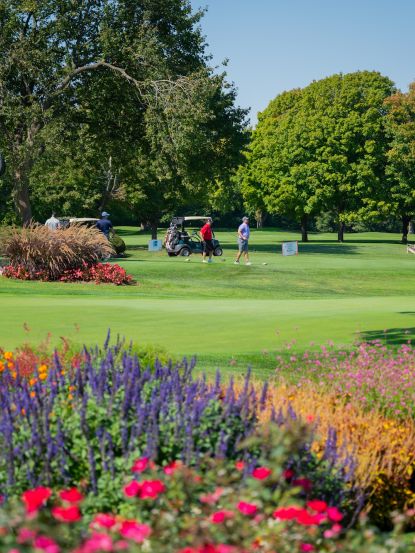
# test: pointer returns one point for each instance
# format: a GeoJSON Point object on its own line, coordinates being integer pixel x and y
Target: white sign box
{"type": "Point", "coordinates": [290, 248]}
{"type": "Point", "coordinates": [155, 245]}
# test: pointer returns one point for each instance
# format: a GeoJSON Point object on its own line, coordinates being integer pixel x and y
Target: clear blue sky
{"type": "Point", "coordinates": [277, 45]}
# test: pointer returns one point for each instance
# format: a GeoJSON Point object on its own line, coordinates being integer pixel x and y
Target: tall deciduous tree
{"type": "Point", "coordinates": [101, 71]}
{"type": "Point", "coordinates": [322, 148]}
{"type": "Point", "coordinates": [399, 194]}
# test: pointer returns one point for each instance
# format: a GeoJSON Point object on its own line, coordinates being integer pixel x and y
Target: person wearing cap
{"type": "Point", "coordinates": [104, 224]}
{"type": "Point", "coordinates": [243, 238]}
{"type": "Point", "coordinates": [206, 234]}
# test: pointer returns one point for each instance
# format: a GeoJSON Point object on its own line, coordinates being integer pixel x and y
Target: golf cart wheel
{"type": "Point", "coordinates": [171, 254]}
{"type": "Point", "coordinates": [185, 252]}
{"type": "Point", "coordinates": [218, 251]}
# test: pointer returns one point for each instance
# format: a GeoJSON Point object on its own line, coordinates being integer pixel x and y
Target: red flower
{"type": "Point", "coordinates": [247, 508]}
{"type": "Point", "coordinates": [103, 520]}
{"type": "Point", "coordinates": [302, 483]}
{"type": "Point", "coordinates": [317, 505]}
{"type": "Point", "coordinates": [34, 499]}
{"type": "Point", "coordinates": [306, 519]}
{"type": "Point", "coordinates": [288, 474]}
{"type": "Point", "coordinates": [66, 514]}
{"type": "Point", "coordinates": [71, 496]}
{"type": "Point", "coordinates": [172, 467]}
{"type": "Point", "coordinates": [261, 473]}
{"type": "Point", "coordinates": [290, 513]}
{"type": "Point", "coordinates": [151, 489]}
{"type": "Point", "coordinates": [220, 516]}
{"type": "Point", "coordinates": [140, 465]}
{"type": "Point", "coordinates": [132, 489]}
{"type": "Point", "coordinates": [240, 465]}
{"type": "Point", "coordinates": [48, 545]}
{"type": "Point", "coordinates": [133, 530]}
{"type": "Point", "coordinates": [334, 514]}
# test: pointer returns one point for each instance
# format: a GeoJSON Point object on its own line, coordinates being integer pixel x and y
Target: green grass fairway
{"type": "Point", "coordinates": [231, 315]}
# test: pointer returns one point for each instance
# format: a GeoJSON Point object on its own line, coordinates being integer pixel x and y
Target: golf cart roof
{"type": "Point", "coordinates": [181, 220]}
{"type": "Point", "coordinates": [82, 219]}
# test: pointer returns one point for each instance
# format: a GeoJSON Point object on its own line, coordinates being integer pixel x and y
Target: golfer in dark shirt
{"type": "Point", "coordinates": [104, 224]}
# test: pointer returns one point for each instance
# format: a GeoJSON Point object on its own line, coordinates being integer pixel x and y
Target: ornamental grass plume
{"type": "Point", "coordinates": [41, 254]}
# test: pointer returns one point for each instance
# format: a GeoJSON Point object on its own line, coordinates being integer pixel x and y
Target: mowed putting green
{"type": "Point", "coordinates": [231, 315]}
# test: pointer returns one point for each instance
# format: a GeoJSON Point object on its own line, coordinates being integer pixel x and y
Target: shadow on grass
{"type": "Point", "coordinates": [390, 336]}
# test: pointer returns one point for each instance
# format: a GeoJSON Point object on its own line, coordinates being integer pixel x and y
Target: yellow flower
{"type": "Point", "coordinates": [43, 368]}
{"type": "Point", "coordinates": [8, 355]}
{"type": "Point", "coordinates": [14, 374]}
{"type": "Point", "coordinates": [70, 396]}
{"type": "Point", "coordinates": [43, 376]}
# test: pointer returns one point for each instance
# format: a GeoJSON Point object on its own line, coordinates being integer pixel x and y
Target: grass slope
{"type": "Point", "coordinates": [231, 315]}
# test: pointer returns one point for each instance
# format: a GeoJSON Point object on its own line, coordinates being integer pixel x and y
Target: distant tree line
{"type": "Point", "coordinates": [112, 104]}
{"type": "Point", "coordinates": [341, 149]}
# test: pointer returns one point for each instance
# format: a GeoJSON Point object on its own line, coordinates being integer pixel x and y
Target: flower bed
{"type": "Point", "coordinates": [100, 273]}
{"type": "Point", "coordinates": [177, 509]}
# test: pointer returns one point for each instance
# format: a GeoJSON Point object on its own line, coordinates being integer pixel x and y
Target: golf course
{"type": "Point", "coordinates": [230, 316]}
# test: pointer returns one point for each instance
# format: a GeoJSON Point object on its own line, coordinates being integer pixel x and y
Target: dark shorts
{"type": "Point", "coordinates": [207, 246]}
{"type": "Point", "coordinates": [242, 245]}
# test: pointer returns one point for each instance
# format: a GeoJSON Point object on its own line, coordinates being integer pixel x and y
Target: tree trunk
{"type": "Point", "coordinates": [340, 232]}
{"type": "Point", "coordinates": [405, 223]}
{"type": "Point", "coordinates": [21, 197]}
{"type": "Point", "coordinates": [259, 218]}
{"type": "Point", "coordinates": [154, 230]}
{"type": "Point", "coordinates": [304, 232]}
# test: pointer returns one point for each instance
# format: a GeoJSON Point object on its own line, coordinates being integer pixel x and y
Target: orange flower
{"type": "Point", "coordinates": [43, 376]}
{"type": "Point", "coordinates": [43, 368]}
{"type": "Point", "coordinates": [32, 381]}
{"type": "Point", "coordinates": [8, 355]}
{"type": "Point", "coordinates": [10, 364]}
{"type": "Point", "coordinates": [32, 394]}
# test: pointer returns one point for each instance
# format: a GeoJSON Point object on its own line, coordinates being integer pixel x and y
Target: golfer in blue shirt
{"type": "Point", "coordinates": [243, 238]}
{"type": "Point", "coordinates": [104, 224]}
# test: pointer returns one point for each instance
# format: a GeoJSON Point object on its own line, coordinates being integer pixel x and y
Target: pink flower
{"type": "Point", "coordinates": [306, 547]}
{"type": "Point", "coordinates": [71, 496]}
{"type": "Point", "coordinates": [212, 498]}
{"type": "Point", "coordinates": [97, 542]}
{"type": "Point", "coordinates": [46, 544]}
{"type": "Point", "coordinates": [221, 516]}
{"type": "Point", "coordinates": [140, 465]}
{"type": "Point", "coordinates": [132, 489]}
{"type": "Point", "coordinates": [334, 514]}
{"type": "Point", "coordinates": [34, 499]}
{"type": "Point", "coordinates": [261, 473]}
{"type": "Point", "coordinates": [25, 535]}
{"type": "Point", "coordinates": [133, 530]}
{"type": "Point", "coordinates": [240, 465]}
{"type": "Point", "coordinates": [151, 489]}
{"type": "Point", "coordinates": [247, 509]}
{"type": "Point", "coordinates": [103, 520]}
{"type": "Point", "coordinates": [66, 514]}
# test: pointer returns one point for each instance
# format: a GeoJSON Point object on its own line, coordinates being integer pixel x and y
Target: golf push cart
{"type": "Point", "coordinates": [179, 242]}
